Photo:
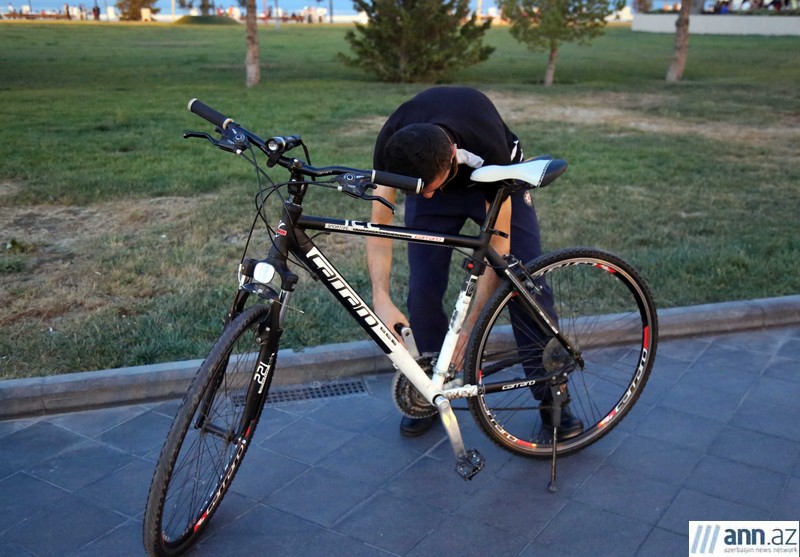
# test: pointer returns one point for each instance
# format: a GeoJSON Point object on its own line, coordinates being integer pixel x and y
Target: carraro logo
{"type": "Point", "coordinates": [744, 537]}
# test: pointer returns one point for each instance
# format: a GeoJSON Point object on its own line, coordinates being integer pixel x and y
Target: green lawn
{"type": "Point", "coordinates": [121, 239]}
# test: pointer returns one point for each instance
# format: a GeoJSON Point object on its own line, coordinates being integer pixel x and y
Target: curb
{"type": "Point", "coordinates": [94, 389]}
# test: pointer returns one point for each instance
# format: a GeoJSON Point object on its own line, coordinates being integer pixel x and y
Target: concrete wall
{"type": "Point", "coordinates": [729, 24]}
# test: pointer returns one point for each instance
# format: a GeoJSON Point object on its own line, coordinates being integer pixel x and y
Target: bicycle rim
{"type": "Point", "coordinates": [208, 438]}
{"type": "Point", "coordinates": [605, 310]}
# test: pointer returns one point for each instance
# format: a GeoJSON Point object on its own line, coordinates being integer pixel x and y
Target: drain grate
{"type": "Point", "coordinates": [282, 395]}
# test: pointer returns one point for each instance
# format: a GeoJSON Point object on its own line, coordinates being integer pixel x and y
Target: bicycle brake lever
{"type": "Point", "coordinates": [379, 199]}
{"type": "Point", "coordinates": [225, 144]}
{"type": "Point", "coordinates": [200, 135]}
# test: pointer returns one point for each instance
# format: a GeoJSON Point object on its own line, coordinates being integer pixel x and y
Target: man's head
{"type": "Point", "coordinates": [422, 151]}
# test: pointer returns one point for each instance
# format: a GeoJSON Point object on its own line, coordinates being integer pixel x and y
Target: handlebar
{"type": "Point", "coordinates": [208, 113]}
{"type": "Point", "coordinates": [405, 183]}
{"type": "Point", "coordinates": [275, 148]}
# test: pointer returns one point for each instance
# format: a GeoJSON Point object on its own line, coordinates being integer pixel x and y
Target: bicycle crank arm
{"type": "Point", "coordinates": [468, 463]}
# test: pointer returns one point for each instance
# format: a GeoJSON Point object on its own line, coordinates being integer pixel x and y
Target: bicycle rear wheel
{"type": "Point", "coordinates": [210, 434]}
{"type": "Point", "coordinates": [605, 310]}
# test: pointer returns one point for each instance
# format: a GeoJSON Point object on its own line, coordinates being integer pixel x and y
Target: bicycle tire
{"type": "Point", "coordinates": [605, 309]}
{"type": "Point", "coordinates": [208, 437]}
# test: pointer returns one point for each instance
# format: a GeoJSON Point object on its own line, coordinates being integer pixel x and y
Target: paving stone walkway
{"type": "Point", "coordinates": [714, 437]}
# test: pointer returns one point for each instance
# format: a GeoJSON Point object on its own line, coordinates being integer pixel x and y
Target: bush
{"type": "Point", "coordinates": [416, 41]}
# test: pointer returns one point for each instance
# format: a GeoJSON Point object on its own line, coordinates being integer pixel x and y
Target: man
{"type": "Point", "coordinates": [441, 135]}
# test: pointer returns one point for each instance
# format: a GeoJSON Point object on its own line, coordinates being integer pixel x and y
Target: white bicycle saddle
{"type": "Point", "coordinates": [537, 172]}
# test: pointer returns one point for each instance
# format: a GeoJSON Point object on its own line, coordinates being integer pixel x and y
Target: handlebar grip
{"type": "Point", "coordinates": [208, 113]}
{"type": "Point", "coordinates": [405, 183]}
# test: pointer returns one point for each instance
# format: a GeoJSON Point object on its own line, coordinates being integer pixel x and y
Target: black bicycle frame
{"type": "Point", "coordinates": [292, 238]}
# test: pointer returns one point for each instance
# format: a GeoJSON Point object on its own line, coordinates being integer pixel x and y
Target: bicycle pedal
{"type": "Point", "coordinates": [469, 464]}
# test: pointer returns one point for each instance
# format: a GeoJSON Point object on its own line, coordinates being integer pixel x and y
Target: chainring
{"type": "Point", "coordinates": [408, 400]}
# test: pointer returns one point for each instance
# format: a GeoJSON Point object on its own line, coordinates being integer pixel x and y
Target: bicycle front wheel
{"type": "Point", "coordinates": [209, 435]}
{"type": "Point", "coordinates": [604, 309]}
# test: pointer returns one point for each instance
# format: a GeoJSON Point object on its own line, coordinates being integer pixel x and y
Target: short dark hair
{"type": "Point", "coordinates": [418, 150]}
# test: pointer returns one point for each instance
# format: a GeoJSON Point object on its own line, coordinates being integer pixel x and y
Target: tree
{"type": "Point", "coordinates": [416, 41]}
{"type": "Point", "coordinates": [131, 10]}
{"type": "Point", "coordinates": [205, 5]}
{"type": "Point", "coordinates": [681, 52]}
{"type": "Point", "coordinates": [544, 24]}
{"type": "Point", "coordinates": [251, 63]}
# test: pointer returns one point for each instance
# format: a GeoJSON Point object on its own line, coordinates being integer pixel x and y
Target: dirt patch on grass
{"type": "Point", "coordinates": [629, 111]}
{"type": "Point", "coordinates": [51, 269]}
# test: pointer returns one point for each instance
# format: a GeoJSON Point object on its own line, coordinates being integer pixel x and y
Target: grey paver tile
{"type": "Point", "coordinates": [790, 349]}
{"type": "Point", "coordinates": [80, 465]}
{"type": "Point", "coordinates": [22, 495]}
{"type": "Point", "coordinates": [10, 550]}
{"type": "Point", "coordinates": [391, 523]}
{"type": "Point", "coordinates": [388, 429]}
{"type": "Point", "coordinates": [93, 423]}
{"type": "Point", "coordinates": [662, 543]}
{"type": "Point", "coordinates": [518, 509]}
{"type": "Point", "coordinates": [35, 443]}
{"type": "Point", "coordinates": [435, 483]}
{"type": "Point", "coordinates": [307, 440]}
{"type": "Point", "coordinates": [783, 368]}
{"type": "Point", "coordinates": [571, 472]}
{"type": "Point", "coordinates": [655, 459]}
{"type": "Point", "coordinates": [469, 538]}
{"type": "Point", "coordinates": [703, 402]}
{"type": "Point", "coordinates": [726, 369]}
{"type": "Point", "coordinates": [6, 470]}
{"type": "Point", "coordinates": [53, 531]}
{"type": "Point", "coordinates": [618, 491]}
{"type": "Point", "coordinates": [352, 413]}
{"type": "Point", "coordinates": [685, 349]}
{"type": "Point", "coordinates": [769, 392]}
{"type": "Point", "coordinates": [274, 419]}
{"type": "Point", "coordinates": [125, 539]}
{"type": "Point", "coordinates": [782, 424]}
{"type": "Point", "coordinates": [8, 427]}
{"type": "Point", "coordinates": [737, 482]}
{"type": "Point", "coordinates": [679, 428]}
{"type": "Point", "coordinates": [140, 435]}
{"type": "Point", "coordinates": [332, 544]}
{"type": "Point", "coordinates": [694, 505]}
{"type": "Point", "coordinates": [260, 531]}
{"type": "Point", "coordinates": [788, 505]}
{"type": "Point", "coordinates": [581, 529]}
{"type": "Point", "coordinates": [370, 460]}
{"type": "Point", "coordinates": [263, 472]}
{"type": "Point", "coordinates": [756, 448]}
{"type": "Point", "coordinates": [321, 496]}
{"type": "Point", "coordinates": [761, 341]}
{"type": "Point", "coordinates": [124, 490]}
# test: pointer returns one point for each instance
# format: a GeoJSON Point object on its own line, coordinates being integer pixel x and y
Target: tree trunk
{"type": "Point", "coordinates": [549, 74]}
{"type": "Point", "coordinates": [678, 63]}
{"type": "Point", "coordinates": [251, 64]}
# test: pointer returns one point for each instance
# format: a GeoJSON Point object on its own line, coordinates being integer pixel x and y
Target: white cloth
{"type": "Point", "coordinates": [470, 159]}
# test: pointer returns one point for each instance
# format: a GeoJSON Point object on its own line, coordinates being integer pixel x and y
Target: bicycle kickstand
{"type": "Point", "coordinates": [558, 395]}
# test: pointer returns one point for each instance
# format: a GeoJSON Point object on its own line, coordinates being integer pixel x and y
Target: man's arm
{"type": "Point", "coordinates": [379, 262]}
{"type": "Point", "coordinates": [487, 283]}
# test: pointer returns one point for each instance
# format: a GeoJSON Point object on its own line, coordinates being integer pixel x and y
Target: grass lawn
{"type": "Point", "coordinates": [119, 240]}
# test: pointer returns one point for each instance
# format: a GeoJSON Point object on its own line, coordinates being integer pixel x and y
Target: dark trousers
{"type": "Point", "coordinates": [429, 266]}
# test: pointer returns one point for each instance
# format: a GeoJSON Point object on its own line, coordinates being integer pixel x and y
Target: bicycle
{"type": "Point", "coordinates": [574, 328]}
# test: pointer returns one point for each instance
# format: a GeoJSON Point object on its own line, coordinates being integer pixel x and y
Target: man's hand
{"type": "Point", "coordinates": [390, 315]}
